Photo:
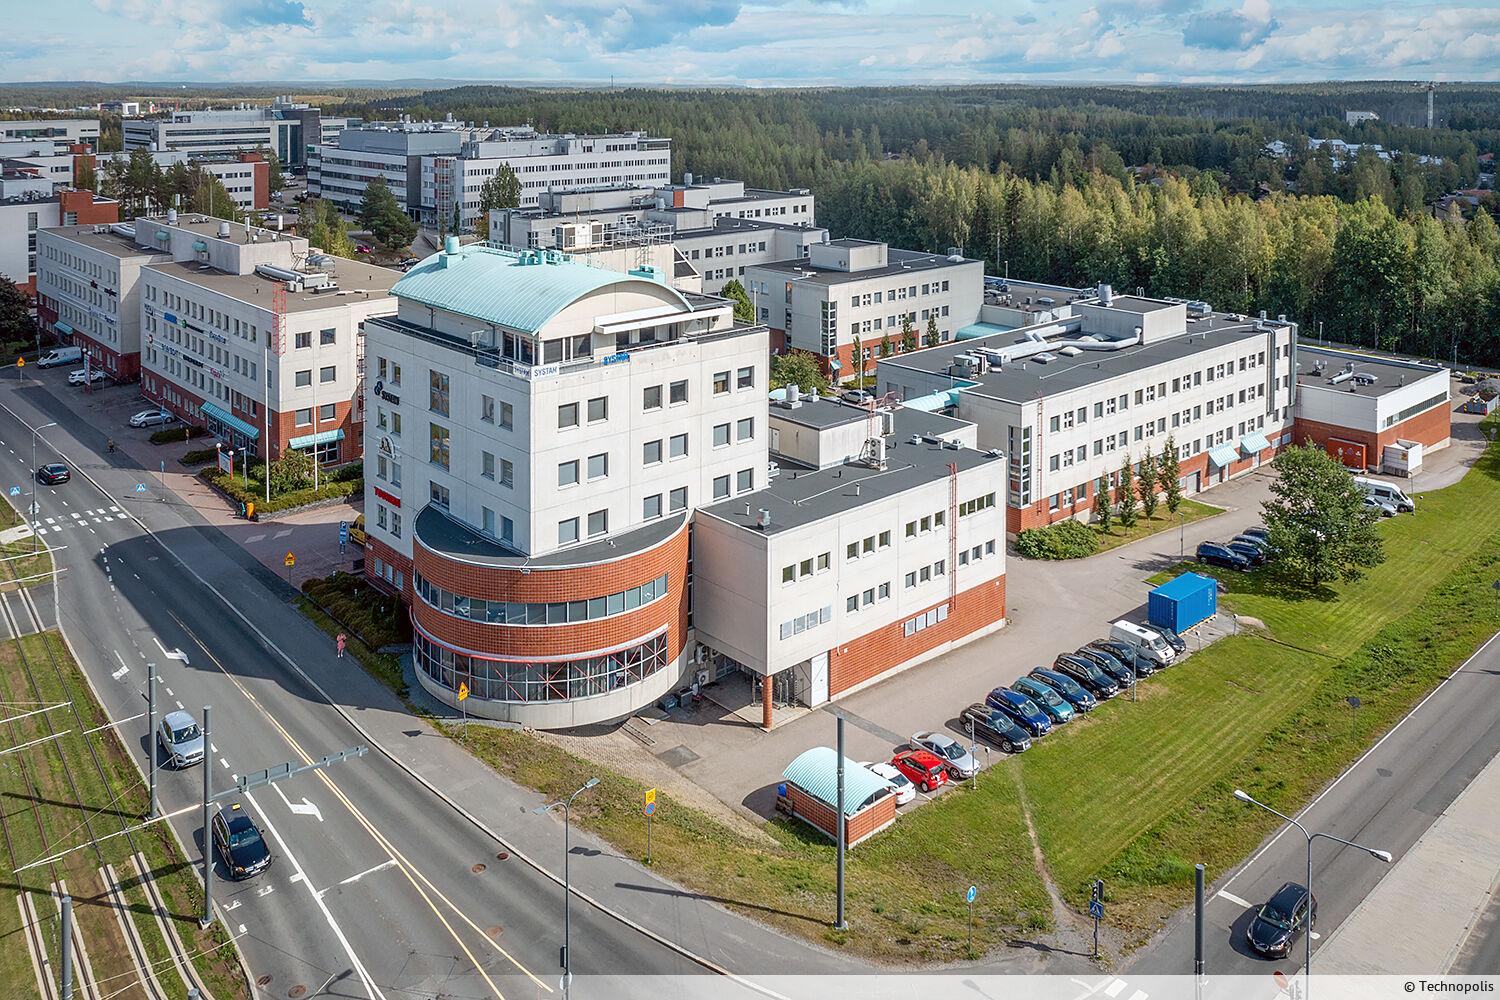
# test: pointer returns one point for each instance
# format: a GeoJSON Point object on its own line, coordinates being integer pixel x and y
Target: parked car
{"type": "Point", "coordinates": [904, 790]}
{"type": "Point", "coordinates": [1214, 554]}
{"type": "Point", "coordinates": [1124, 666]}
{"type": "Point", "coordinates": [1287, 915]}
{"type": "Point", "coordinates": [1383, 507]}
{"type": "Point", "coordinates": [53, 473]}
{"type": "Point", "coordinates": [1066, 686]}
{"type": "Point", "coordinates": [1258, 531]}
{"type": "Point", "coordinates": [59, 356]}
{"type": "Point", "coordinates": [407, 263]}
{"type": "Point", "coordinates": [1177, 642]}
{"type": "Point", "coordinates": [1252, 552]}
{"type": "Point", "coordinates": [357, 531]}
{"type": "Point", "coordinates": [922, 768]}
{"type": "Point", "coordinates": [995, 727]}
{"type": "Point", "coordinates": [955, 756]}
{"type": "Point", "coordinates": [239, 843]}
{"type": "Point", "coordinates": [1025, 712]}
{"type": "Point", "coordinates": [180, 740]}
{"type": "Point", "coordinates": [857, 396]}
{"type": "Point", "coordinates": [363, 248]}
{"type": "Point", "coordinates": [1083, 670]}
{"type": "Point", "coordinates": [1126, 653]}
{"type": "Point", "coordinates": [79, 376]}
{"type": "Point", "coordinates": [150, 418]}
{"type": "Point", "coordinates": [1055, 705]}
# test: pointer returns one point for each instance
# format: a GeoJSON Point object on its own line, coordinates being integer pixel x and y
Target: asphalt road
{"type": "Point", "coordinates": [377, 888]}
{"type": "Point", "coordinates": [1385, 801]}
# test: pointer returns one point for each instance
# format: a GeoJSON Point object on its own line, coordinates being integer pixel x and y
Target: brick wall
{"type": "Point", "coordinates": [884, 649]}
{"type": "Point", "coordinates": [124, 367]}
{"type": "Point", "coordinates": [1432, 428]}
{"type": "Point", "coordinates": [570, 584]}
{"type": "Point", "coordinates": [89, 212]}
{"type": "Point", "coordinates": [818, 814]}
{"type": "Point", "coordinates": [375, 549]}
{"type": "Point", "coordinates": [284, 428]}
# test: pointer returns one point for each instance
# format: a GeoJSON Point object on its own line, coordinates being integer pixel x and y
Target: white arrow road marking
{"type": "Point", "coordinates": [265, 890]}
{"type": "Point", "coordinates": [232, 906]}
{"type": "Point", "coordinates": [368, 871]}
{"type": "Point", "coordinates": [303, 808]}
{"type": "Point", "coordinates": [1316, 936]}
{"type": "Point", "coordinates": [1235, 899]}
{"type": "Point", "coordinates": [123, 668]}
{"type": "Point", "coordinates": [171, 654]}
{"type": "Point", "coordinates": [1115, 988]}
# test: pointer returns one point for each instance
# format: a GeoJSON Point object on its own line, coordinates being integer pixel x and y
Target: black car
{"type": "Point", "coordinates": [1177, 642]}
{"type": "Point", "coordinates": [1252, 552]}
{"type": "Point", "coordinates": [1075, 694]}
{"type": "Point", "coordinates": [1287, 915]}
{"type": "Point", "coordinates": [239, 843]}
{"type": "Point", "coordinates": [995, 727]}
{"type": "Point", "coordinates": [1214, 554]}
{"type": "Point", "coordinates": [1122, 670]}
{"type": "Point", "coordinates": [1098, 683]}
{"type": "Point", "coordinates": [51, 475]}
{"type": "Point", "coordinates": [1259, 531]}
{"type": "Point", "coordinates": [1126, 653]}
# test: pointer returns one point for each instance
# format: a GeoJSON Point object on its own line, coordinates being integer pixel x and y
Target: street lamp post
{"type": "Point", "coordinates": [1378, 855]}
{"type": "Point", "coordinates": [567, 805]}
{"type": "Point", "coordinates": [31, 508]}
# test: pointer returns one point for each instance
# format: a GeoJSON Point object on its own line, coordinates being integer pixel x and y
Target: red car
{"type": "Point", "coordinates": [922, 768]}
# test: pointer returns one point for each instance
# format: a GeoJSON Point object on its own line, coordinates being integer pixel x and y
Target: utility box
{"type": "Point", "coordinates": [1404, 458]}
{"type": "Point", "coordinates": [1181, 603]}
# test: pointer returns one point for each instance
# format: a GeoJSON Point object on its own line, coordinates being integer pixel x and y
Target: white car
{"type": "Point", "coordinates": [1384, 507]}
{"type": "Point", "coordinates": [858, 397]}
{"type": "Point", "coordinates": [900, 784]}
{"type": "Point", "coordinates": [955, 756]}
{"type": "Point", "coordinates": [79, 375]}
{"type": "Point", "coordinates": [150, 418]}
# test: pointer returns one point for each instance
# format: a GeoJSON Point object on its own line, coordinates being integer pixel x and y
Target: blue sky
{"type": "Point", "coordinates": [753, 42]}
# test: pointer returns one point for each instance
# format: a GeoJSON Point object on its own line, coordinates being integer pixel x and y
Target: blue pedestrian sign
{"type": "Point", "coordinates": [140, 487]}
{"type": "Point", "coordinates": [971, 894]}
{"type": "Point", "coordinates": [15, 491]}
{"type": "Point", "coordinates": [1096, 909]}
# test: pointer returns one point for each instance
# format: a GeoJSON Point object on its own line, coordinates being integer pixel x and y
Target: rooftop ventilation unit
{"type": "Point", "coordinates": [1070, 351]}
{"type": "Point", "coordinates": [1365, 378]}
{"type": "Point", "coordinates": [1106, 295]}
{"type": "Point", "coordinates": [763, 519]}
{"type": "Point", "coordinates": [1044, 358]}
{"type": "Point", "coordinates": [223, 232]}
{"type": "Point", "coordinates": [1344, 375]}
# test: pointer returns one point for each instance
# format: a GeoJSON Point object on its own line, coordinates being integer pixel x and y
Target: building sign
{"type": "Point", "coordinates": [169, 317]}
{"type": "Point", "coordinates": [385, 394]}
{"type": "Point", "coordinates": [217, 338]}
{"type": "Point", "coordinates": [537, 372]}
{"type": "Point", "coordinates": [615, 359]}
{"type": "Point", "coordinates": [387, 446]}
{"type": "Point", "coordinates": [389, 498]}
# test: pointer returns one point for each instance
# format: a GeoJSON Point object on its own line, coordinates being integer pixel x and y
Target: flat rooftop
{"type": "Point", "coordinates": [1389, 373]}
{"type": "Point", "coordinates": [356, 282]}
{"type": "Point", "coordinates": [801, 497]}
{"type": "Point", "coordinates": [208, 227]}
{"type": "Point", "coordinates": [827, 412]}
{"type": "Point", "coordinates": [443, 533]}
{"type": "Point", "coordinates": [1028, 379]}
{"type": "Point", "coordinates": [898, 262]}
{"type": "Point", "coordinates": [122, 247]}
{"type": "Point", "coordinates": [1138, 304]}
{"type": "Point", "coordinates": [733, 223]}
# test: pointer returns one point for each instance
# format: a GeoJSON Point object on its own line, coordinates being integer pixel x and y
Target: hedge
{"type": "Point", "coordinates": [234, 487]}
{"type": "Point", "coordinates": [198, 456]}
{"type": "Point", "coordinates": [171, 435]}
{"type": "Point", "coordinates": [1064, 540]}
{"type": "Point", "coordinates": [376, 618]}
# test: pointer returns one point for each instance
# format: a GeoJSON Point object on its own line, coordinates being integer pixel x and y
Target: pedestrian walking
{"type": "Point", "coordinates": [340, 643]}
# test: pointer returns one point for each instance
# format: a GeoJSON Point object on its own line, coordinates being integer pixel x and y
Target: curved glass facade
{"type": "Point", "coordinates": [540, 681]}
{"type": "Point", "coordinates": [478, 609]}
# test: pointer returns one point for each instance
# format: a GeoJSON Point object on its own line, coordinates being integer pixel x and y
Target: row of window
{"type": "Point", "coordinates": [806, 568]}
{"type": "Point", "coordinates": [1151, 428]}
{"type": "Point", "coordinates": [867, 545]}
{"type": "Point", "coordinates": [976, 505]}
{"type": "Point", "coordinates": [802, 623]}
{"type": "Point", "coordinates": [544, 613]}
{"type": "Point", "coordinates": [926, 574]}
{"type": "Point", "coordinates": [977, 553]}
{"type": "Point", "coordinates": [871, 595]}
{"type": "Point", "coordinates": [923, 525]}
{"type": "Point", "coordinates": [1151, 393]}
{"type": "Point", "coordinates": [528, 681]}
{"type": "Point", "coordinates": [925, 620]}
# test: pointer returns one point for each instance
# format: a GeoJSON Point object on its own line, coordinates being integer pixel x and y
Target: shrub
{"type": "Point", "coordinates": [170, 435]}
{"type": "Point", "coordinates": [376, 618]}
{"type": "Point", "coordinates": [235, 487]}
{"type": "Point", "coordinates": [1064, 540]}
{"type": "Point", "coordinates": [198, 456]}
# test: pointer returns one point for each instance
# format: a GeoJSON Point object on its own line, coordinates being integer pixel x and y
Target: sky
{"type": "Point", "coordinates": [753, 42]}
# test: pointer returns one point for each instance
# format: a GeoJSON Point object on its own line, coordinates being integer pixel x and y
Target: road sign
{"type": "Point", "coordinates": [343, 531]}
{"type": "Point", "coordinates": [1096, 909]}
{"type": "Point", "coordinates": [20, 362]}
{"type": "Point", "coordinates": [15, 491]}
{"type": "Point", "coordinates": [289, 561]}
{"type": "Point", "coordinates": [649, 801]}
{"type": "Point", "coordinates": [971, 894]}
{"type": "Point", "coordinates": [463, 691]}
{"type": "Point", "coordinates": [140, 487]}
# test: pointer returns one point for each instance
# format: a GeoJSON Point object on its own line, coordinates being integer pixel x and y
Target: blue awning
{"type": "Point", "coordinates": [1254, 444]}
{"type": "Point", "coordinates": [228, 419]}
{"type": "Point", "coordinates": [322, 437]}
{"type": "Point", "coordinates": [62, 327]}
{"type": "Point", "coordinates": [199, 245]}
{"type": "Point", "coordinates": [1224, 454]}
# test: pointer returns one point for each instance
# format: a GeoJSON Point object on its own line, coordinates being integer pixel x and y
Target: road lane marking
{"type": "Point", "coordinates": [265, 890]}
{"type": "Point", "coordinates": [368, 871]}
{"type": "Point", "coordinates": [1115, 988]}
{"type": "Point", "coordinates": [282, 534]}
{"type": "Point", "coordinates": [303, 808]}
{"type": "Point", "coordinates": [255, 538]}
{"type": "Point", "coordinates": [223, 763]}
{"type": "Point", "coordinates": [174, 653]}
{"type": "Point", "coordinates": [1236, 900]}
{"type": "Point", "coordinates": [179, 705]}
{"type": "Point", "coordinates": [235, 905]}
{"type": "Point", "coordinates": [124, 669]}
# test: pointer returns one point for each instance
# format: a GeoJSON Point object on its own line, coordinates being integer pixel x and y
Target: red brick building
{"type": "Point", "coordinates": [1356, 405]}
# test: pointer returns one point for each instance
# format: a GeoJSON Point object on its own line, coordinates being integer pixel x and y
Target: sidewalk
{"type": "Point", "coordinates": [1421, 914]}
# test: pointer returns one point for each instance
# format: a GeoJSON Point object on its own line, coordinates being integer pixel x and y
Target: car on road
{"type": "Point", "coordinates": [954, 755]}
{"type": "Point", "coordinates": [1055, 705]}
{"type": "Point", "coordinates": [995, 727]}
{"type": "Point", "coordinates": [180, 740]}
{"type": "Point", "coordinates": [1382, 507]}
{"type": "Point", "coordinates": [53, 473]}
{"type": "Point", "coordinates": [59, 356]}
{"type": "Point", "coordinates": [363, 248]}
{"type": "Point", "coordinates": [1214, 554]}
{"type": "Point", "coordinates": [407, 263]}
{"type": "Point", "coordinates": [1177, 642]}
{"type": "Point", "coordinates": [1125, 670]}
{"type": "Point", "coordinates": [1076, 694]}
{"type": "Point", "coordinates": [1252, 552]}
{"type": "Point", "coordinates": [1287, 915]}
{"type": "Point", "coordinates": [1098, 683]}
{"type": "Point", "coordinates": [857, 396]}
{"type": "Point", "coordinates": [922, 768]}
{"type": "Point", "coordinates": [151, 418]}
{"type": "Point", "coordinates": [903, 788]}
{"type": "Point", "coordinates": [79, 376]}
{"type": "Point", "coordinates": [1026, 713]}
{"type": "Point", "coordinates": [238, 841]}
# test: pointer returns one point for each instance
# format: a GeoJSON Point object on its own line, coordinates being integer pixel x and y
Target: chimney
{"type": "Point", "coordinates": [223, 228]}
{"type": "Point", "coordinates": [763, 519]}
{"type": "Point", "coordinates": [171, 216]}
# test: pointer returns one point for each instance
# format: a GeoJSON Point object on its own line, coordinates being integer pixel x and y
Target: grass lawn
{"type": "Point", "coordinates": [55, 820]}
{"type": "Point", "coordinates": [21, 560]}
{"type": "Point", "coordinates": [1189, 511]}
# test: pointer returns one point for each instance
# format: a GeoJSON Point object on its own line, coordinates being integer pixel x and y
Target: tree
{"type": "Point", "coordinates": [15, 313]}
{"type": "Point", "coordinates": [292, 471]}
{"type": "Point", "coordinates": [503, 190]}
{"type": "Point", "coordinates": [456, 227]}
{"type": "Point", "coordinates": [324, 228]}
{"type": "Point", "coordinates": [931, 338]}
{"type": "Point", "coordinates": [908, 334]}
{"type": "Point", "coordinates": [275, 180]}
{"type": "Point", "coordinates": [858, 355]}
{"type": "Point", "coordinates": [744, 309]}
{"type": "Point", "coordinates": [1127, 495]}
{"type": "Point", "coordinates": [1149, 485]}
{"type": "Point", "coordinates": [797, 368]}
{"type": "Point", "coordinates": [1318, 522]}
{"type": "Point", "coordinates": [1170, 474]}
{"type": "Point", "coordinates": [85, 178]}
{"type": "Point", "coordinates": [390, 227]}
{"type": "Point", "coordinates": [1103, 512]}
{"type": "Point", "coordinates": [207, 195]}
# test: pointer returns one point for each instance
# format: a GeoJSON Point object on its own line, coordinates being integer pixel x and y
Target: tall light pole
{"type": "Point", "coordinates": [567, 805]}
{"type": "Point", "coordinates": [31, 508]}
{"type": "Point", "coordinates": [1384, 856]}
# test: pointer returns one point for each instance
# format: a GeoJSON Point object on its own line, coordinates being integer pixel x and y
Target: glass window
{"type": "Point", "coordinates": [303, 378]}
{"type": "Point", "coordinates": [507, 416]}
{"type": "Point", "coordinates": [651, 507]}
{"type": "Point", "coordinates": [327, 337]}
{"type": "Point", "coordinates": [651, 452]}
{"type": "Point", "coordinates": [679, 445]}
{"type": "Point", "coordinates": [326, 411]}
{"type": "Point", "coordinates": [567, 473]}
{"type": "Point", "coordinates": [598, 466]}
{"type": "Point", "coordinates": [487, 465]}
{"type": "Point", "coordinates": [438, 439]}
{"type": "Point", "coordinates": [745, 378]}
{"type": "Point", "coordinates": [651, 397]}
{"type": "Point", "coordinates": [598, 522]}
{"type": "Point", "coordinates": [678, 392]}
{"type": "Point", "coordinates": [744, 481]}
{"type": "Point", "coordinates": [303, 339]}
{"type": "Point", "coordinates": [745, 429]}
{"type": "Point", "coordinates": [721, 383]}
{"type": "Point", "coordinates": [304, 417]}
{"type": "Point", "coordinates": [721, 487]}
{"type": "Point", "coordinates": [598, 409]}
{"type": "Point", "coordinates": [439, 494]}
{"type": "Point", "coordinates": [567, 415]}
{"type": "Point", "coordinates": [487, 409]}
{"type": "Point", "coordinates": [721, 435]}
{"type": "Point", "coordinates": [567, 531]}
{"type": "Point", "coordinates": [328, 373]}
{"type": "Point", "coordinates": [677, 499]}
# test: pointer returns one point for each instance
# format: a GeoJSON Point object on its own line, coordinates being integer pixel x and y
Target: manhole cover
{"type": "Point", "coordinates": [495, 931]}
{"type": "Point", "coordinates": [263, 981]}
{"type": "Point", "coordinates": [477, 869]}
{"type": "Point", "coordinates": [503, 855]}
{"type": "Point", "coordinates": [296, 991]}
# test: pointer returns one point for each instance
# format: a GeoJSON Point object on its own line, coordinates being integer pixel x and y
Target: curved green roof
{"type": "Point", "coordinates": [520, 290]}
{"type": "Point", "coordinates": [815, 771]}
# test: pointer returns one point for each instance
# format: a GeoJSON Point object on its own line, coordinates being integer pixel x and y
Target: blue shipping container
{"type": "Point", "coordinates": [1181, 603]}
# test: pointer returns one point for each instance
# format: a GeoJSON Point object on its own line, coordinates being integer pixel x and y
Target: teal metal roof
{"type": "Point", "coordinates": [322, 437]}
{"type": "Point", "coordinates": [815, 771]}
{"type": "Point", "coordinates": [520, 290]}
{"type": "Point", "coordinates": [1224, 454]}
{"type": "Point", "coordinates": [225, 417]}
{"type": "Point", "coordinates": [1254, 444]}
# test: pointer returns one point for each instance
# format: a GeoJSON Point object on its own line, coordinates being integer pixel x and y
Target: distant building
{"type": "Point", "coordinates": [287, 127]}
{"type": "Point", "coordinates": [1355, 405]}
{"type": "Point", "coordinates": [28, 205]}
{"type": "Point", "coordinates": [1359, 117]}
{"type": "Point", "coordinates": [62, 133]}
{"type": "Point", "coordinates": [125, 109]}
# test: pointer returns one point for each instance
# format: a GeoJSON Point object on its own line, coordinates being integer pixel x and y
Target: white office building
{"type": "Point", "coordinates": [285, 126]}
{"type": "Point", "coordinates": [58, 133]}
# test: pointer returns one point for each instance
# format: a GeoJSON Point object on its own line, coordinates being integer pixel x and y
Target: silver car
{"type": "Point", "coordinates": [180, 739]}
{"type": "Point", "coordinates": [150, 418]}
{"type": "Point", "coordinates": [954, 755]}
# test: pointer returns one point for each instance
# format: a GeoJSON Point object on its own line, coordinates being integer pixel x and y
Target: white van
{"type": "Point", "coordinates": [1387, 492]}
{"type": "Point", "coordinates": [1148, 643]}
{"type": "Point", "coordinates": [60, 356]}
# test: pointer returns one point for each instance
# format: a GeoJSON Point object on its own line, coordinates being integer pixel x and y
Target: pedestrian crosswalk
{"type": "Point", "coordinates": [78, 519]}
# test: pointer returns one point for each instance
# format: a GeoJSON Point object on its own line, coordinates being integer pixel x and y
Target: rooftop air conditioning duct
{"type": "Point", "coordinates": [793, 395]}
{"type": "Point", "coordinates": [223, 230]}
{"type": "Point", "coordinates": [763, 519]}
{"type": "Point", "coordinates": [1106, 295]}
{"type": "Point", "coordinates": [171, 216]}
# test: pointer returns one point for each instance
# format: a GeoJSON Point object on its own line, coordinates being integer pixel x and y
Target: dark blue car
{"type": "Point", "coordinates": [1071, 690]}
{"type": "Point", "coordinates": [1214, 554]}
{"type": "Point", "coordinates": [1022, 709]}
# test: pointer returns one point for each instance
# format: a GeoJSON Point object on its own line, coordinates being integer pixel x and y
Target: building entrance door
{"type": "Point", "coordinates": [817, 692]}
